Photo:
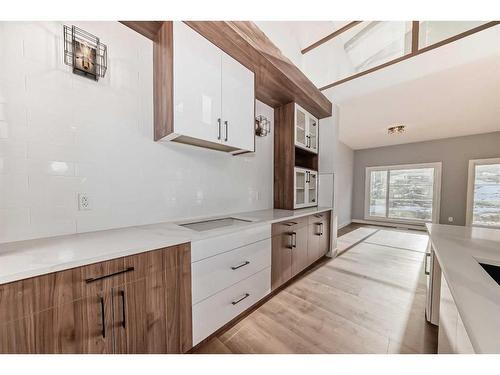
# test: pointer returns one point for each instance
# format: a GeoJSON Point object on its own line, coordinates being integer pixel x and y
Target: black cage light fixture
{"type": "Point", "coordinates": [85, 53]}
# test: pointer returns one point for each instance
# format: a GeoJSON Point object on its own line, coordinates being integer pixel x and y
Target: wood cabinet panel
{"type": "Point", "coordinates": [179, 305]}
{"type": "Point", "coordinates": [300, 258]}
{"type": "Point", "coordinates": [281, 259]}
{"type": "Point", "coordinates": [75, 327]}
{"type": "Point", "coordinates": [140, 316]}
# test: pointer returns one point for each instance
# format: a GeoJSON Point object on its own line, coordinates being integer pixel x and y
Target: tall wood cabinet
{"type": "Point", "coordinates": [296, 158]}
{"type": "Point", "coordinates": [136, 304]}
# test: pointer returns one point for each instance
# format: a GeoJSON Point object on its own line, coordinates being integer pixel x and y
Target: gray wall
{"type": "Point", "coordinates": [454, 153]}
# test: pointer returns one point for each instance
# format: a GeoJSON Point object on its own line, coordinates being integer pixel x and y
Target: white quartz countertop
{"type": "Point", "coordinates": [24, 259]}
{"type": "Point", "coordinates": [477, 296]}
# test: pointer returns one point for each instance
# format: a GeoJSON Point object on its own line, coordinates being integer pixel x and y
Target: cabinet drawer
{"type": "Point", "coordinates": [289, 225]}
{"type": "Point", "coordinates": [212, 313]}
{"type": "Point", "coordinates": [216, 245]}
{"type": "Point", "coordinates": [319, 217]}
{"type": "Point", "coordinates": [213, 274]}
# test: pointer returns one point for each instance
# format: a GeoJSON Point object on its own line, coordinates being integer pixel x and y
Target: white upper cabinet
{"type": "Point", "coordinates": [306, 130]}
{"type": "Point", "coordinates": [238, 104]}
{"type": "Point", "coordinates": [213, 95]}
{"type": "Point", "coordinates": [197, 85]}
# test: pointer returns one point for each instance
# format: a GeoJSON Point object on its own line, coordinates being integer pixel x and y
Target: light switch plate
{"type": "Point", "coordinates": [84, 202]}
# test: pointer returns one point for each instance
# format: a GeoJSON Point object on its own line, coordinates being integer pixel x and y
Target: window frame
{"type": "Point", "coordinates": [471, 177]}
{"type": "Point", "coordinates": [436, 201]}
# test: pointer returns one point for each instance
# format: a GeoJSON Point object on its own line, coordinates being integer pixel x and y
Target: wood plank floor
{"type": "Point", "coordinates": [370, 299]}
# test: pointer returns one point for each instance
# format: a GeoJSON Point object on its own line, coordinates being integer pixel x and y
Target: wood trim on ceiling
{"type": "Point", "coordinates": [149, 29]}
{"type": "Point", "coordinates": [413, 53]}
{"type": "Point", "coordinates": [343, 29]}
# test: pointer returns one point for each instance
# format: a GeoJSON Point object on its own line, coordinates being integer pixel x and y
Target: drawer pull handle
{"type": "Point", "coordinates": [103, 319]}
{"type": "Point", "coordinates": [241, 299]}
{"type": "Point", "coordinates": [318, 216]}
{"type": "Point", "coordinates": [122, 294]}
{"type": "Point", "coordinates": [290, 223]}
{"type": "Point", "coordinates": [92, 279]}
{"type": "Point", "coordinates": [246, 262]}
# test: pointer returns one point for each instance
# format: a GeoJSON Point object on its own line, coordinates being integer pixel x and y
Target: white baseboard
{"type": "Point", "coordinates": [392, 225]}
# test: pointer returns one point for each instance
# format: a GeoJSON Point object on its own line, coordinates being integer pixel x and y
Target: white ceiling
{"type": "Point", "coordinates": [455, 102]}
{"type": "Point", "coordinates": [451, 91]}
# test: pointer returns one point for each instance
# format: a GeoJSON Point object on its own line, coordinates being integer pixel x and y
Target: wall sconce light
{"type": "Point", "coordinates": [84, 53]}
{"type": "Point", "coordinates": [262, 126]}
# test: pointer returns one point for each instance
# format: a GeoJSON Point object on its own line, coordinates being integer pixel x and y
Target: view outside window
{"type": "Point", "coordinates": [486, 210]}
{"type": "Point", "coordinates": [411, 194]}
{"type": "Point", "coordinates": [378, 193]}
{"type": "Point", "coordinates": [402, 194]}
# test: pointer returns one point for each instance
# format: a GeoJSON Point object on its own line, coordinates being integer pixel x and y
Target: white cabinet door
{"type": "Point", "coordinates": [300, 127]}
{"type": "Point", "coordinates": [313, 131]}
{"type": "Point", "coordinates": [306, 130]}
{"type": "Point", "coordinates": [197, 85]}
{"type": "Point", "coordinates": [305, 188]}
{"type": "Point", "coordinates": [300, 188]}
{"type": "Point", "coordinates": [312, 188]}
{"type": "Point", "coordinates": [238, 104]}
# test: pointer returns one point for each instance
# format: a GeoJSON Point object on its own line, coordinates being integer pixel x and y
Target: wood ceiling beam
{"type": "Point", "coordinates": [149, 29]}
{"type": "Point", "coordinates": [336, 33]}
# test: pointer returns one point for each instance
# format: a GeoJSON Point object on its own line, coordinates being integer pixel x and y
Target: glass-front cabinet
{"type": "Point", "coordinates": [305, 188]}
{"type": "Point", "coordinates": [306, 130]}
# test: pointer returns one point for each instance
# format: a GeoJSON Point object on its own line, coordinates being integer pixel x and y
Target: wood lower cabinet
{"type": "Point", "coordinates": [297, 244]}
{"type": "Point", "coordinates": [281, 259]}
{"type": "Point", "coordinates": [142, 304]}
{"type": "Point", "coordinates": [82, 326]}
{"type": "Point", "coordinates": [300, 259]}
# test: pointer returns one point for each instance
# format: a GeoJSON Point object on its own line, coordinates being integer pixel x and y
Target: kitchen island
{"type": "Point", "coordinates": [467, 288]}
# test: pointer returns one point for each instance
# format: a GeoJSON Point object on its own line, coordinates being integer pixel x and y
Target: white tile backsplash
{"type": "Point", "coordinates": [63, 134]}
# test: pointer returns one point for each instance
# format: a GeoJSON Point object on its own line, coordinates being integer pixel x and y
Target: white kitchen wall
{"type": "Point", "coordinates": [336, 165]}
{"type": "Point", "coordinates": [62, 134]}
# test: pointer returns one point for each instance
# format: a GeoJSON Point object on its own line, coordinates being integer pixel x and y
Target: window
{"type": "Point", "coordinates": [404, 193]}
{"type": "Point", "coordinates": [483, 193]}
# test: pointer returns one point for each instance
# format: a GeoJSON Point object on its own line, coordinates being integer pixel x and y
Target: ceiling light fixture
{"type": "Point", "coordinates": [396, 130]}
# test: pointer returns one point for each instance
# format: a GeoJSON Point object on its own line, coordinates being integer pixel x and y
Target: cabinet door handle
{"type": "Point", "coordinates": [227, 126]}
{"type": "Point", "coordinates": [293, 240]}
{"type": "Point", "coordinates": [427, 255]}
{"type": "Point", "coordinates": [321, 224]}
{"type": "Point", "coordinates": [246, 262]}
{"type": "Point", "coordinates": [319, 229]}
{"type": "Point", "coordinates": [103, 320]}
{"type": "Point", "coordinates": [122, 294]}
{"type": "Point", "coordinates": [290, 223]}
{"type": "Point", "coordinates": [92, 279]}
{"type": "Point", "coordinates": [246, 295]}
{"type": "Point", "coordinates": [219, 129]}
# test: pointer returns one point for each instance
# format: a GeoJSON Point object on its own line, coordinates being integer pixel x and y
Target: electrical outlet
{"type": "Point", "coordinates": [83, 202]}
{"type": "Point", "coordinates": [450, 219]}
